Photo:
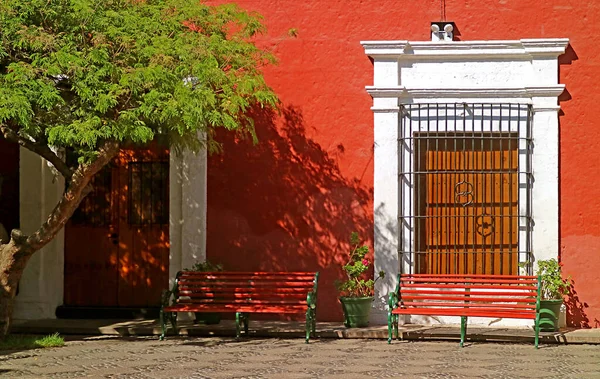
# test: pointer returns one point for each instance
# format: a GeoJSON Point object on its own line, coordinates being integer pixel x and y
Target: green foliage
{"type": "Point", "coordinates": [554, 287]}
{"type": "Point", "coordinates": [206, 267]}
{"type": "Point", "coordinates": [357, 266]}
{"type": "Point", "coordinates": [75, 73]}
{"type": "Point", "coordinates": [22, 341]}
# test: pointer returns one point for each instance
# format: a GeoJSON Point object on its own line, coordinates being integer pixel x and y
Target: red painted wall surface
{"type": "Point", "coordinates": [291, 202]}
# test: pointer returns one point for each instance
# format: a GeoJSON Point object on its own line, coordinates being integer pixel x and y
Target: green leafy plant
{"type": "Point", "coordinates": [206, 266]}
{"type": "Point", "coordinates": [355, 268]}
{"type": "Point", "coordinates": [554, 287]}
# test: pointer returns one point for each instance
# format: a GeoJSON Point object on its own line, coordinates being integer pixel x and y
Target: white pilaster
{"type": "Point", "coordinates": [385, 208]}
{"type": "Point", "coordinates": [41, 288]}
{"type": "Point", "coordinates": [544, 192]}
{"type": "Point", "coordinates": [188, 210]}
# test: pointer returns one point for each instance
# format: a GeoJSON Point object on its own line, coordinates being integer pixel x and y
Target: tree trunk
{"type": "Point", "coordinates": [16, 253]}
{"type": "Point", "coordinates": [13, 259]}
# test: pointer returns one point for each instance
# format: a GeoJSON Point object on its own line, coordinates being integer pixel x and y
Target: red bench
{"type": "Point", "coordinates": [500, 296]}
{"type": "Point", "coordinates": [242, 293]}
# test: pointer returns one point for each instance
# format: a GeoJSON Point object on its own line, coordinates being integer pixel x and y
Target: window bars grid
{"type": "Point", "coordinates": [465, 188]}
{"type": "Point", "coordinates": [148, 197]}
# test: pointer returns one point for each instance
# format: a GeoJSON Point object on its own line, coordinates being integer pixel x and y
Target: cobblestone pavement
{"type": "Point", "coordinates": [142, 358]}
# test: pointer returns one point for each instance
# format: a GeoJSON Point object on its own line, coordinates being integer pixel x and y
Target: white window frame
{"type": "Point", "coordinates": [518, 71]}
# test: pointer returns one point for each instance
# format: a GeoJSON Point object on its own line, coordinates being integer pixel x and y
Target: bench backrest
{"type": "Point", "coordinates": [245, 288]}
{"type": "Point", "coordinates": [487, 295]}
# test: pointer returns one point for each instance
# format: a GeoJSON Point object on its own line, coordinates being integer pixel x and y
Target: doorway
{"type": "Point", "coordinates": [117, 242]}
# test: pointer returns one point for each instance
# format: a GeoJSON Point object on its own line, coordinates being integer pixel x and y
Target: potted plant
{"type": "Point", "coordinates": [356, 293]}
{"type": "Point", "coordinates": [553, 287]}
{"type": "Point", "coordinates": [204, 317]}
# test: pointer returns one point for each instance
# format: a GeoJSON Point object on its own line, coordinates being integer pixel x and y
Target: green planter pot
{"type": "Point", "coordinates": [549, 312]}
{"type": "Point", "coordinates": [356, 311]}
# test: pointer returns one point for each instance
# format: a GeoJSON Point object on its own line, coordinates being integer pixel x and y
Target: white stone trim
{"type": "Point", "coordinates": [519, 71]}
{"type": "Point", "coordinates": [41, 288]}
{"type": "Point", "coordinates": [493, 93]}
{"type": "Point", "coordinates": [188, 203]}
{"type": "Point", "coordinates": [414, 50]}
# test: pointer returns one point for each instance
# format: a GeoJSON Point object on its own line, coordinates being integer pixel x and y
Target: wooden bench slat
{"type": "Point", "coordinates": [462, 304]}
{"type": "Point", "coordinates": [240, 275]}
{"type": "Point", "coordinates": [516, 292]}
{"type": "Point", "coordinates": [236, 308]}
{"type": "Point", "coordinates": [292, 291]}
{"type": "Point", "coordinates": [253, 283]}
{"type": "Point", "coordinates": [474, 286]}
{"type": "Point", "coordinates": [470, 281]}
{"type": "Point", "coordinates": [467, 276]}
{"type": "Point", "coordinates": [239, 301]}
{"type": "Point", "coordinates": [471, 299]}
{"type": "Point", "coordinates": [464, 312]}
{"type": "Point", "coordinates": [242, 294]}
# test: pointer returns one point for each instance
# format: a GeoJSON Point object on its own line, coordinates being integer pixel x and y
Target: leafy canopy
{"type": "Point", "coordinates": [75, 73]}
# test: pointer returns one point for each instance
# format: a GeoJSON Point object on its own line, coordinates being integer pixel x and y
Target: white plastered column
{"type": "Point", "coordinates": [187, 228]}
{"type": "Point", "coordinates": [386, 176]}
{"type": "Point", "coordinates": [41, 288]}
{"type": "Point", "coordinates": [521, 71]}
{"type": "Point", "coordinates": [187, 219]}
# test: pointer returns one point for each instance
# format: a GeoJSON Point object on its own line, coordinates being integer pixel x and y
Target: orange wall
{"type": "Point", "coordinates": [291, 202]}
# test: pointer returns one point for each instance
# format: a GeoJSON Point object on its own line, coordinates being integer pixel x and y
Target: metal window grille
{"type": "Point", "coordinates": [465, 188]}
{"type": "Point", "coordinates": [148, 195]}
{"type": "Point", "coordinates": [94, 209]}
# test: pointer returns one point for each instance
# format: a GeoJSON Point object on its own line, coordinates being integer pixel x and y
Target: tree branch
{"type": "Point", "coordinates": [78, 188]}
{"type": "Point", "coordinates": [42, 150]}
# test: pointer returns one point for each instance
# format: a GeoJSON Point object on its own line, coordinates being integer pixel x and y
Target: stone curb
{"type": "Point", "coordinates": [293, 329]}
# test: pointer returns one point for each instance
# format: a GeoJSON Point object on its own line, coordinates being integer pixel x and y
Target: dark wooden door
{"type": "Point", "coordinates": [117, 242]}
{"type": "Point", "coordinates": [468, 205]}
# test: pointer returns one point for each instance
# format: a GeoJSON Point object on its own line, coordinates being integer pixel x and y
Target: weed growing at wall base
{"type": "Point", "coordinates": [23, 341]}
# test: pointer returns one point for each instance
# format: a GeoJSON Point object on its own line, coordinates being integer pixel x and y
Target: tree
{"type": "Point", "coordinates": [87, 77]}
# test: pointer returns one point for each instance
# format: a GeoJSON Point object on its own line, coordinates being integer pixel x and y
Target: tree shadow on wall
{"type": "Point", "coordinates": [284, 205]}
{"type": "Point", "coordinates": [576, 309]}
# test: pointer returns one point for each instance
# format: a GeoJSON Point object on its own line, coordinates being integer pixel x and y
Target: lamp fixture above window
{"type": "Point", "coordinates": [442, 31]}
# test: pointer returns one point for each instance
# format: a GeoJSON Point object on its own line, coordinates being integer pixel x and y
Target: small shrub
{"type": "Point", "coordinates": [356, 285]}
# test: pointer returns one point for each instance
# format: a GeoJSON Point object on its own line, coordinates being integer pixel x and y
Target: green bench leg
{"type": "Point", "coordinates": [396, 320]}
{"type": "Point", "coordinates": [390, 326]}
{"type": "Point", "coordinates": [309, 323]}
{"type": "Point", "coordinates": [463, 330]}
{"type": "Point", "coordinates": [314, 323]}
{"type": "Point", "coordinates": [163, 325]}
{"type": "Point", "coordinates": [173, 318]}
{"type": "Point", "coordinates": [537, 330]}
{"type": "Point", "coordinates": [238, 319]}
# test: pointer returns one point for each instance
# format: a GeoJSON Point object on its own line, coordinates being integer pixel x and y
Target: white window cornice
{"type": "Point", "coordinates": [442, 94]}
{"type": "Point", "coordinates": [526, 48]}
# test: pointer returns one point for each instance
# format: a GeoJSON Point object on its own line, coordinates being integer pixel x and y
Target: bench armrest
{"type": "Point", "coordinates": [166, 294]}
{"type": "Point", "coordinates": [393, 300]}
{"type": "Point", "coordinates": [393, 297]}
{"type": "Point", "coordinates": [311, 299]}
{"type": "Point", "coordinates": [164, 298]}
